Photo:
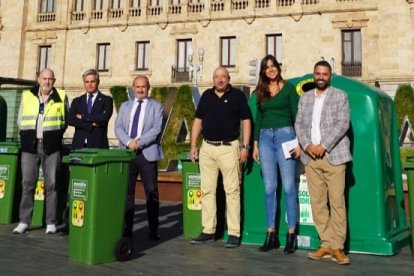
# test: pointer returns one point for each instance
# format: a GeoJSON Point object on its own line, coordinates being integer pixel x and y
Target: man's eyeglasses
{"type": "Point", "coordinates": [41, 108]}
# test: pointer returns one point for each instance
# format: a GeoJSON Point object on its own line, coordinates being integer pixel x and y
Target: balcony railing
{"type": "Point", "coordinates": [154, 10]}
{"type": "Point", "coordinates": [262, 3]}
{"type": "Point", "coordinates": [285, 3]}
{"type": "Point", "coordinates": [78, 15]}
{"type": "Point", "coordinates": [46, 17]}
{"type": "Point", "coordinates": [174, 9]}
{"type": "Point", "coordinates": [97, 15]}
{"type": "Point", "coordinates": [179, 74]}
{"type": "Point", "coordinates": [217, 5]}
{"type": "Point", "coordinates": [195, 7]}
{"type": "Point", "coordinates": [213, 7]}
{"type": "Point", "coordinates": [239, 4]}
{"type": "Point", "coordinates": [135, 12]}
{"type": "Point", "coordinates": [310, 2]}
{"type": "Point", "coordinates": [352, 69]}
{"type": "Point", "coordinates": [115, 13]}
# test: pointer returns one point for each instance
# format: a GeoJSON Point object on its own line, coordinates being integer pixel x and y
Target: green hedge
{"type": "Point", "coordinates": [404, 101]}
{"type": "Point", "coordinates": [183, 108]}
{"type": "Point", "coordinates": [119, 94]}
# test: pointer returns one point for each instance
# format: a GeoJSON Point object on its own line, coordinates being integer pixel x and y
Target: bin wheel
{"type": "Point", "coordinates": [123, 249]}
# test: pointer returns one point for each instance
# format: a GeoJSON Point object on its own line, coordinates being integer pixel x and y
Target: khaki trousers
{"type": "Point", "coordinates": [212, 160]}
{"type": "Point", "coordinates": [326, 181]}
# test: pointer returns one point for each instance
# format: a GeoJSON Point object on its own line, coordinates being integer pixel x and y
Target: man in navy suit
{"type": "Point", "coordinates": [138, 126]}
{"type": "Point", "coordinates": [90, 114]}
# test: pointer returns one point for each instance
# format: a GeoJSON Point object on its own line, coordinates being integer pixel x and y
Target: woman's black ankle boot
{"type": "Point", "coordinates": [269, 243]}
{"type": "Point", "coordinates": [290, 246]}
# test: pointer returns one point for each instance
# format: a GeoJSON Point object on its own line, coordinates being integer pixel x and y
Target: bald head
{"type": "Point", "coordinates": [141, 87]}
{"type": "Point", "coordinates": [221, 79]}
{"type": "Point", "coordinates": [46, 81]}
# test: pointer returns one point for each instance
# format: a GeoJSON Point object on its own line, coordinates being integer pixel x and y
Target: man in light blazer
{"type": "Point", "coordinates": [321, 125]}
{"type": "Point", "coordinates": [138, 127]}
{"type": "Point", "coordinates": [90, 114]}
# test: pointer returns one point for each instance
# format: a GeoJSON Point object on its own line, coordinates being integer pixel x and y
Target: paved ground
{"type": "Point", "coordinates": [35, 253]}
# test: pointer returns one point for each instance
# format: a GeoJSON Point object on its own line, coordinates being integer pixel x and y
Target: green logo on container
{"type": "Point", "coordinates": [4, 172]}
{"type": "Point", "coordinates": [305, 210]}
{"type": "Point", "coordinates": [80, 189]}
{"type": "Point", "coordinates": [193, 180]}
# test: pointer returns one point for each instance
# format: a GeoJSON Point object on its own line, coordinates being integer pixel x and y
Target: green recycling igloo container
{"type": "Point", "coordinates": [373, 192]}
{"type": "Point", "coordinates": [98, 186]}
{"type": "Point", "coordinates": [10, 186]}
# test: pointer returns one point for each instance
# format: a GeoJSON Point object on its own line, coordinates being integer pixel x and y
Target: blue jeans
{"type": "Point", "coordinates": [271, 158]}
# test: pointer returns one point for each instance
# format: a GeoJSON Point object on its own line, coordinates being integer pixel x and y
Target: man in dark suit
{"type": "Point", "coordinates": [138, 127]}
{"type": "Point", "coordinates": [90, 114]}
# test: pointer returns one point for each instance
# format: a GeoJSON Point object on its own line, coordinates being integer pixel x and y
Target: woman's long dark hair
{"type": "Point", "coordinates": [262, 90]}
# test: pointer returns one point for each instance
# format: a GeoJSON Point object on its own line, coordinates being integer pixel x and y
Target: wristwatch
{"type": "Point", "coordinates": [245, 147]}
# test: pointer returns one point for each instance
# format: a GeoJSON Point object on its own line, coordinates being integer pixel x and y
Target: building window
{"type": "Point", "coordinates": [351, 53]}
{"type": "Point", "coordinates": [47, 6]}
{"type": "Point", "coordinates": [79, 5]}
{"type": "Point", "coordinates": [142, 62]}
{"type": "Point", "coordinates": [44, 57]}
{"type": "Point", "coordinates": [103, 57]}
{"type": "Point", "coordinates": [98, 5]}
{"type": "Point", "coordinates": [228, 51]}
{"type": "Point", "coordinates": [180, 72]}
{"type": "Point", "coordinates": [155, 3]}
{"type": "Point", "coordinates": [183, 47]}
{"type": "Point", "coordinates": [135, 3]}
{"type": "Point", "coordinates": [116, 4]}
{"type": "Point", "coordinates": [274, 46]}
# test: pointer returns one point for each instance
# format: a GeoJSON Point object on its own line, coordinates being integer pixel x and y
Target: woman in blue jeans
{"type": "Point", "coordinates": [277, 103]}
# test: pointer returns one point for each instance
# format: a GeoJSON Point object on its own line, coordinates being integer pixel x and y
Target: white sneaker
{"type": "Point", "coordinates": [21, 228]}
{"type": "Point", "coordinates": [50, 229]}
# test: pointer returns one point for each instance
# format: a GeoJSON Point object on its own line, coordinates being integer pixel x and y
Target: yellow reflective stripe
{"type": "Point", "coordinates": [53, 123]}
{"type": "Point", "coordinates": [49, 128]}
{"type": "Point", "coordinates": [54, 118]}
{"type": "Point", "coordinates": [29, 117]}
{"type": "Point", "coordinates": [27, 127]}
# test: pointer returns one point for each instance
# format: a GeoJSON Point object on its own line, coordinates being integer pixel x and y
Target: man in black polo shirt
{"type": "Point", "coordinates": [218, 117]}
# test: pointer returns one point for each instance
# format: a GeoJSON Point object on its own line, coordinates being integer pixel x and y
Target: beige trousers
{"type": "Point", "coordinates": [212, 160]}
{"type": "Point", "coordinates": [326, 181]}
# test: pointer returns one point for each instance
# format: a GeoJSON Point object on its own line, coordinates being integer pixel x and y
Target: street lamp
{"type": "Point", "coordinates": [194, 68]}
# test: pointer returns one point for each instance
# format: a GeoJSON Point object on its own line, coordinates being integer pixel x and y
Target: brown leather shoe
{"type": "Point", "coordinates": [322, 252]}
{"type": "Point", "coordinates": [339, 256]}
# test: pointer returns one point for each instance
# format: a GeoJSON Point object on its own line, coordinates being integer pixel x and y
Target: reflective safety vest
{"type": "Point", "coordinates": [54, 124]}
{"type": "Point", "coordinates": [54, 114]}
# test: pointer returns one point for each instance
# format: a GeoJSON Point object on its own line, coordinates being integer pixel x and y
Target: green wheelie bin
{"type": "Point", "coordinates": [191, 196]}
{"type": "Point", "coordinates": [98, 186]}
{"type": "Point", "coordinates": [409, 168]}
{"type": "Point", "coordinates": [10, 188]}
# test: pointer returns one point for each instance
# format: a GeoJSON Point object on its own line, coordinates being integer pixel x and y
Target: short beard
{"type": "Point", "coordinates": [322, 87]}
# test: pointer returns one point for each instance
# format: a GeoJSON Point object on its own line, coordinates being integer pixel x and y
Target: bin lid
{"type": "Point", "coordinates": [98, 156]}
{"type": "Point", "coordinates": [9, 147]}
{"type": "Point", "coordinates": [409, 162]}
{"type": "Point", "coordinates": [184, 156]}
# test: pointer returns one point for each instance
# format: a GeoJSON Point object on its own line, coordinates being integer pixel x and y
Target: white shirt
{"type": "Point", "coordinates": [141, 117]}
{"type": "Point", "coordinates": [316, 117]}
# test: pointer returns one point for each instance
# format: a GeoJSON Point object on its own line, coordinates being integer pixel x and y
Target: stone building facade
{"type": "Point", "coordinates": [370, 40]}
